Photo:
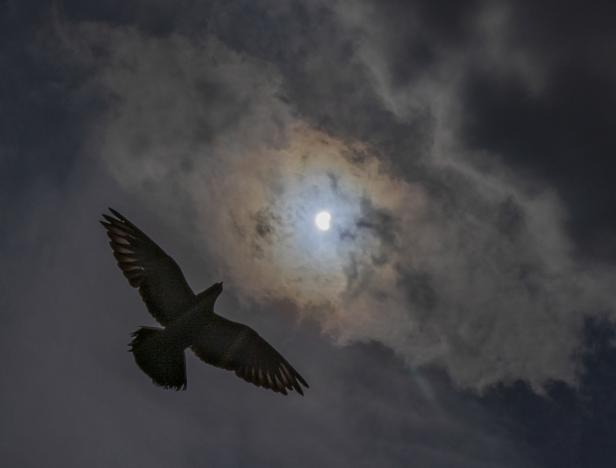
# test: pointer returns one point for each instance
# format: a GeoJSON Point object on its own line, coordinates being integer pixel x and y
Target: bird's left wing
{"type": "Point", "coordinates": [147, 267]}
{"type": "Point", "coordinates": [239, 348]}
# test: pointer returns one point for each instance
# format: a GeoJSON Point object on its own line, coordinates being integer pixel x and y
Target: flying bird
{"type": "Point", "coordinates": [189, 320]}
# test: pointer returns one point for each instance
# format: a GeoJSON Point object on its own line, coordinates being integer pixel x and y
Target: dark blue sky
{"type": "Point", "coordinates": [529, 89]}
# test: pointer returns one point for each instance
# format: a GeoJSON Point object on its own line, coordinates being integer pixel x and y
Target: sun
{"type": "Point", "coordinates": [323, 220]}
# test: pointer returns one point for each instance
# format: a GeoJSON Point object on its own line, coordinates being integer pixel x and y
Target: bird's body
{"type": "Point", "coordinates": [198, 317]}
{"type": "Point", "coordinates": [189, 320]}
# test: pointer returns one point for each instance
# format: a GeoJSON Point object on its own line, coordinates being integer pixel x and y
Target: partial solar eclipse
{"type": "Point", "coordinates": [323, 220]}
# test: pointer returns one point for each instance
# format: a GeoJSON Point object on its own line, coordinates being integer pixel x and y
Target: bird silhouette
{"type": "Point", "coordinates": [189, 320]}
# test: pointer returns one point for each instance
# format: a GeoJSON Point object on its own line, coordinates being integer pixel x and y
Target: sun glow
{"type": "Point", "coordinates": [323, 220]}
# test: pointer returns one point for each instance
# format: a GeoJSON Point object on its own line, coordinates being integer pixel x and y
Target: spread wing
{"type": "Point", "coordinates": [239, 348]}
{"type": "Point", "coordinates": [147, 267]}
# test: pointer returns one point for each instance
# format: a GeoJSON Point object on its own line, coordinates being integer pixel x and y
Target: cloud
{"type": "Point", "coordinates": [453, 261]}
{"type": "Point", "coordinates": [222, 139]}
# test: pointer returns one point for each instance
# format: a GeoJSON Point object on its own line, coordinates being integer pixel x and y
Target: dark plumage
{"type": "Point", "coordinates": [189, 320]}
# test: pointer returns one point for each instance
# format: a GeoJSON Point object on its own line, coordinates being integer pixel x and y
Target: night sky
{"type": "Point", "coordinates": [459, 312]}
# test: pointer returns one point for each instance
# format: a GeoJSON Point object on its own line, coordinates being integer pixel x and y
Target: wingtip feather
{"type": "Point", "coordinates": [117, 214]}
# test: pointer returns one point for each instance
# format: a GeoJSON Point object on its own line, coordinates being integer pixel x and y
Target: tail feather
{"type": "Point", "coordinates": [158, 358]}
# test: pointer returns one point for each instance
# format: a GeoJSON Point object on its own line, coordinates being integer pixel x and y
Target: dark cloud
{"type": "Point", "coordinates": [562, 133]}
{"type": "Point", "coordinates": [571, 427]}
{"type": "Point", "coordinates": [379, 223]}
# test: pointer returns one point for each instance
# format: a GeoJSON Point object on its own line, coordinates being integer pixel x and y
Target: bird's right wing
{"type": "Point", "coordinates": [147, 267]}
{"type": "Point", "coordinates": [239, 348]}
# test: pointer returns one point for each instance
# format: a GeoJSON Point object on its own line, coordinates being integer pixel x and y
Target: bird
{"type": "Point", "coordinates": [188, 320]}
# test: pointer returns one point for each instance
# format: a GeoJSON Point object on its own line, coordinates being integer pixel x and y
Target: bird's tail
{"type": "Point", "coordinates": [163, 361]}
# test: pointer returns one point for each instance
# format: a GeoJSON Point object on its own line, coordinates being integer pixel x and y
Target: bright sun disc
{"type": "Point", "coordinates": [322, 220]}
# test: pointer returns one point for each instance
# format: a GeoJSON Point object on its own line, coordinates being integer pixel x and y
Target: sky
{"type": "Point", "coordinates": [459, 312]}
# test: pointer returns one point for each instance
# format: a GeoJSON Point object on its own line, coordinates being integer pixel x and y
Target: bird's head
{"type": "Point", "coordinates": [211, 294]}
{"type": "Point", "coordinates": [213, 291]}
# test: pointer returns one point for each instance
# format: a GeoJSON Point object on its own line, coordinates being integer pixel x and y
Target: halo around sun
{"type": "Point", "coordinates": [323, 220]}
